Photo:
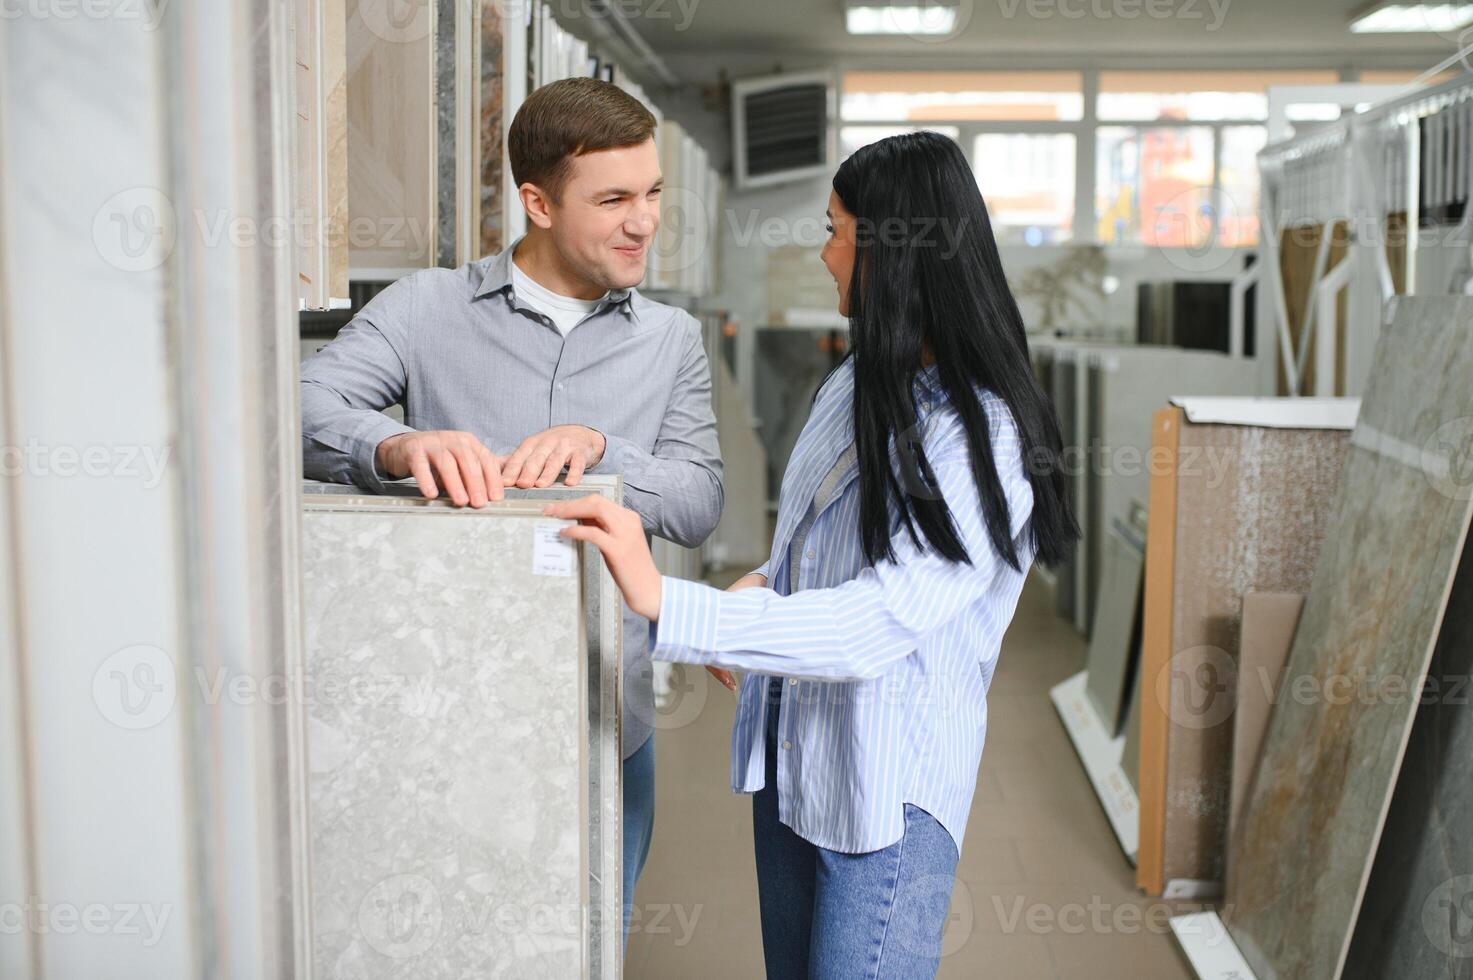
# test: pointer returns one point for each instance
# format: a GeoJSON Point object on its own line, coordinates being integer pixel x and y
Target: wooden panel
{"type": "Point", "coordinates": [321, 179]}
{"type": "Point", "coordinates": [1156, 645]}
{"type": "Point", "coordinates": [391, 136]}
{"type": "Point", "coordinates": [1318, 798]}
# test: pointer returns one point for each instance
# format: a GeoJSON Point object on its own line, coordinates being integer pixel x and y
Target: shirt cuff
{"type": "Point", "coordinates": [686, 629]}
{"type": "Point", "coordinates": [365, 463]}
{"type": "Point", "coordinates": [620, 456]}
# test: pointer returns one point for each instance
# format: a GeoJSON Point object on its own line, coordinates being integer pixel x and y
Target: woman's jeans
{"type": "Point", "coordinates": [836, 916]}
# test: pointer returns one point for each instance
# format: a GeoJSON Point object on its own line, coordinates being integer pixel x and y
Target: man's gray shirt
{"type": "Point", "coordinates": [458, 351]}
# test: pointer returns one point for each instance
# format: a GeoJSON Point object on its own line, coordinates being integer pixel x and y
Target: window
{"type": "Point", "coordinates": [852, 138]}
{"type": "Point", "coordinates": [1206, 96]}
{"type": "Point", "coordinates": [1238, 178]}
{"type": "Point", "coordinates": [1175, 152]}
{"type": "Point", "coordinates": [903, 96]}
{"type": "Point", "coordinates": [1154, 186]}
{"type": "Point", "coordinates": [1027, 180]}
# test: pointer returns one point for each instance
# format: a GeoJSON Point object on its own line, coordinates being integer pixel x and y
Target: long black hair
{"type": "Point", "coordinates": [927, 274]}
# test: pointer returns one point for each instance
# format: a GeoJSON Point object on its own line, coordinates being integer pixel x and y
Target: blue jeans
{"type": "Point", "coordinates": [827, 915]}
{"type": "Point", "coordinates": [639, 818]}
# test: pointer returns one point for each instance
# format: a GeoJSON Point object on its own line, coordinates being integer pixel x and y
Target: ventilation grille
{"type": "Point", "coordinates": [782, 130]}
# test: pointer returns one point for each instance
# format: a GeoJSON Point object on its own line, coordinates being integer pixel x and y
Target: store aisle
{"type": "Point", "coordinates": [1042, 892]}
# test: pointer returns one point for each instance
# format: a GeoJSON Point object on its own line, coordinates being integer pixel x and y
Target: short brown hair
{"type": "Point", "coordinates": [566, 119]}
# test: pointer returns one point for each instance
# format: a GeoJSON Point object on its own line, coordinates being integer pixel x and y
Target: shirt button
{"type": "Point", "coordinates": [560, 386]}
{"type": "Point", "coordinates": [787, 744]}
{"type": "Point", "coordinates": [810, 554]}
{"type": "Point", "coordinates": [792, 680]}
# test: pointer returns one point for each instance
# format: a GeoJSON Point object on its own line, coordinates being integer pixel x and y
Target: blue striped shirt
{"type": "Point", "coordinates": [887, 666]}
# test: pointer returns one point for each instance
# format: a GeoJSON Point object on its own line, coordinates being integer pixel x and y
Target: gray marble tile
{"type": "Point", "coordinates": [450, 763]}
{"type": "Point", "coordinates": [1329, 762]}
{"type": "Point", "coordinates": [1417, 920]}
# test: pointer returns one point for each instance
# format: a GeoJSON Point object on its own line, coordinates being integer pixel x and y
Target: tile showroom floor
{"type": "Point", "coordinates": [1043, 890]}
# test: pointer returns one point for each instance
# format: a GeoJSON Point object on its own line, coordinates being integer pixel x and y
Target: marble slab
{"type": "Point", "coordinates": [603, 606]}
{"type": "Point", "coordinates": [491, 233]}
{"type": "Point", "coordinates": [451, 763]}
{"type": "Point", "coordinates": [1318, 799]}
{"type": "Point", "coordinates": [1417, 920]}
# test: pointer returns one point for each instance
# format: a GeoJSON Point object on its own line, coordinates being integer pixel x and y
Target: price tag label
{"type": "Point", "coordinates": [552, 554]}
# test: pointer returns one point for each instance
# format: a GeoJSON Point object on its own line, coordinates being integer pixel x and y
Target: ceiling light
{"type": "Point", "coordinates": [1411, 18]}
{"type": "Point", "coordinates": [928, 19]}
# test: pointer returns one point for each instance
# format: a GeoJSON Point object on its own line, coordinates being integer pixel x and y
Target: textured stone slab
{"type": "Point", "coordinates": [1318, 798]}
{"type": "Point", "coordinates": [447, 738]}
{"type": "Point", "coordinates": [1417, 920]}
{"type": "Point", "coordinates": [603, 606]}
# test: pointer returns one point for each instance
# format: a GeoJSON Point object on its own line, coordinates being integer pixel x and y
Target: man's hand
{"type": "Point", "coordinates": [468, 472]}
{"type": "Point", "coordinates": [540, 458]}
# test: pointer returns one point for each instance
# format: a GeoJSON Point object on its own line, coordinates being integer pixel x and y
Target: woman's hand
{"type": "Point", "coordinates": [749, 581]}
{"type": "Point", "coordinates": [617, 532]}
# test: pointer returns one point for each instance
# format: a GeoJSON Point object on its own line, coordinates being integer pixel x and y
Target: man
{"type": "Point", "coordinates": [541, 358]}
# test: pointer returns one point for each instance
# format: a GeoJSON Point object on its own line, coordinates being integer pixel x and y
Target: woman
{"type": "Point", "coordinates": [923, 485]}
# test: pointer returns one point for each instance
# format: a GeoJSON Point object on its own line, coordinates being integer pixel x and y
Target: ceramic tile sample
{"type": "Point", "coordinates": [321, 179]}
{"type": "Point", "coordinates": [391, 136]}
{"type": "Point", "coordinates": [1249, 505]}
{"type": "Point", "coordinates": [1114, 645]}
{"type": "Point", "coordinates": [493, 124]}
{"type": "Point", "coordinates": [1398, 522]}
{"type": "Point", "coordinates": [603, 606]}
{"type": "Point", "coordinates": [446, 657]}
{"type": "Point", "coordinates": [1126, 386]}
{"type": "Point", "coordinates": [1414, 923]}
{"type": "Point", "coordinates": [1267, 634]}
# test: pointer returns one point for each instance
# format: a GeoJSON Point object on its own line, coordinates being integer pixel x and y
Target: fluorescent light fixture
{"type": "Point", "coordinates": [928, 19]}
{"type": "Point", "coordinates": [1411, 18]}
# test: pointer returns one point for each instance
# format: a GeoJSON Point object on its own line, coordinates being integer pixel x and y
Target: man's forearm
{"type": "Point", "coordinates": [339, 442]}
{"type": "Point", "coordinates": [678, 499]}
